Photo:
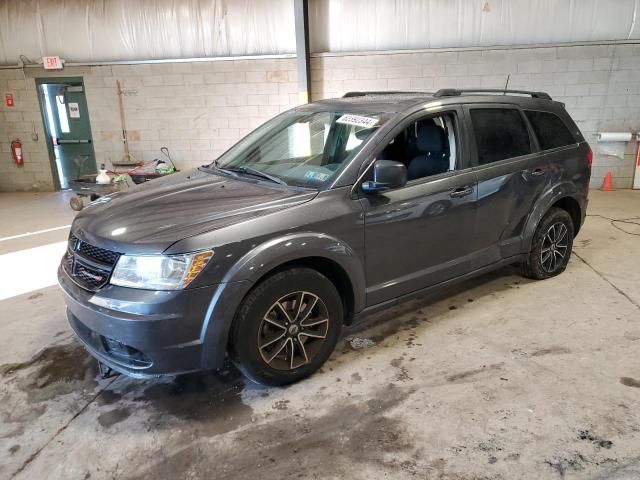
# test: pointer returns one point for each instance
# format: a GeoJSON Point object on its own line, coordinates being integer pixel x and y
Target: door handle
{"type": "Point", "coordinates": [534, 173]}
{"type": "Point", "coordinates": [59, 141]}
{"type": "Point", "coordinates": [461, 191]}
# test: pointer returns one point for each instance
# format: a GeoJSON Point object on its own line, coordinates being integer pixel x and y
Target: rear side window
{"type": "Point", "coordinates": [500, 134]}
{"type": "Point", "coordinates": [550, 130]}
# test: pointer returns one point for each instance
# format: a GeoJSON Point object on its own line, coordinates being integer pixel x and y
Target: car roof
{"type": "Point", "coordinates": [391, 102]}
{"type": "Point", "coordinates": [395, 102]}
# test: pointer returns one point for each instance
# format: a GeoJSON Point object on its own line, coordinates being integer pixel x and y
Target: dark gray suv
{"type": "Point", "coordinates": [323, 214]}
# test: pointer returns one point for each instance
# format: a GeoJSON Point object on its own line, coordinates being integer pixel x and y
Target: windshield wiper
{"type": "Point", "coordinates": [254, 172]}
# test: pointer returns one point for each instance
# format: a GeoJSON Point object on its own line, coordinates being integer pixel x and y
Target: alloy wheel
{"type": "Point", "coordinates": [292, 330]}
{"type": "Point", "coordinates": [555, 245]}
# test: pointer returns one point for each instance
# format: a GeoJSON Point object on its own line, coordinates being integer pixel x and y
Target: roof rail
{"type": "Point", "coordinates": [455, 92]}
{"type": "Point", "coordinates": [391, 92]}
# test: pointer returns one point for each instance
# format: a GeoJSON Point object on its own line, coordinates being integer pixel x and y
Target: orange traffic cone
{"type": "Point", "coordinates": [607, 184]}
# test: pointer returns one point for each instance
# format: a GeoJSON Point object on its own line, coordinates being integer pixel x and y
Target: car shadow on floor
{"type": "Point", "coordinates": [393, 318]}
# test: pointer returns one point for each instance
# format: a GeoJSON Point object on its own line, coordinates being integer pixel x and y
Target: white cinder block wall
{"type": "Point", "coordinates": [199, 109]}
{"type": "Point", "coordinates": [600, 84]}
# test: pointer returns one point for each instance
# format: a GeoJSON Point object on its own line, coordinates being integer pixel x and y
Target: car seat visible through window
{"type": "Point", "coordinates": [432, 153]}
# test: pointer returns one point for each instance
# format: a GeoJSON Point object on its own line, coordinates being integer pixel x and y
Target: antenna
{"type": "Point", "coordinates": [506, 85]}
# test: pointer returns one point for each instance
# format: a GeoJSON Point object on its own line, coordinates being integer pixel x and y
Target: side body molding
{"type": "Point", "coordinates": [256, 263]}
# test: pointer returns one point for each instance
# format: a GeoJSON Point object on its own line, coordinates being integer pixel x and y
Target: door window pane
{"type": "Point", "coordinates": [550, 130]}
{"type": "Point", "coordinates": [62, 114]}
{"type": "Point", "coordinates": [426, 147]}
{"type": "Point", "coordinates": [500, 134]}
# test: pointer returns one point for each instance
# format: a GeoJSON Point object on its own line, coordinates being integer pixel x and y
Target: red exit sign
{"type": "Point", "coordinates": [52, 63]}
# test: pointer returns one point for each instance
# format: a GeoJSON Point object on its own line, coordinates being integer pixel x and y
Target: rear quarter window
{"type": "Point", "coordinates": [550, 130]}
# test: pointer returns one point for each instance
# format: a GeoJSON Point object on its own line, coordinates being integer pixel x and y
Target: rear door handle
{"type": "Point", "coordinates": [461, 191]}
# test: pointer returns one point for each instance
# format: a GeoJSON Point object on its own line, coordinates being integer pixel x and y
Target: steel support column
{"type": "Point", "coordinates": [301, 13]}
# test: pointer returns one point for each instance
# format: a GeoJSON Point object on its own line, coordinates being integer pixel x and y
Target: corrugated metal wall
{"type": "Point", "coordinates": [103, 30]}
{"type": "Point", "coordinates": [353, 25]}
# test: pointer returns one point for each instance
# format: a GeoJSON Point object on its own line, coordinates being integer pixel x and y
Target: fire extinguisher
{"type": "Point", "coordinates": [16, 150]}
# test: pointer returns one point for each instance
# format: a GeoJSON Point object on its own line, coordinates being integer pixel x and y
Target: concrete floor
{"type": "Point", "coordinates": [501, 378]}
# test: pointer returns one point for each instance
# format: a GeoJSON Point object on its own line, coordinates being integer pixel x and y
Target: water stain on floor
{"type": "Point", "coordinates": [595, 439]}
{"type": "Point", "coordinates": [402, 374]}
{"type": "Point", "coordinates": [56, 370]}
{"type": "Point", "coordinates": [630, 382]}
{"type": "Point", "coordinates": [110, 418]}
{"type": "Point", "coordinates": [35, 384]}
{"type": "Point", "coordinates": [108, 397]}
{"type": "Point", "coordinates": [464, 376]}
{"type": "Point", "coordinates": [550, 351]}
{"type": "Point", "coordinates": [292, 447]}
{"type": "Point", "coordinates": [563, 465]}
{"type": "Point", "coordinates": [211, 400]}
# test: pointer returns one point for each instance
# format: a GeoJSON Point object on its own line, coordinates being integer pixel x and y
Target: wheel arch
{"type": "Point", "coordinates": [562, 196]}
{"type": "Point", "coordinates": [331, 269]}
{"type": "Point", "coordinates": [328, 255]}
{"type": "Point", "coordinates": [572, 207]}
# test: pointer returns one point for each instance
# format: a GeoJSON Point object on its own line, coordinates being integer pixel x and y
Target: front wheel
{"type": "Point", "coordinates": [287, 327]}
{"type": "Point", "coordinates": [551, 246]}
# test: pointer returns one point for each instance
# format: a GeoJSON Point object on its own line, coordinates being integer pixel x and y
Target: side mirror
{"type": "Point", "coordinates": [387, 174]}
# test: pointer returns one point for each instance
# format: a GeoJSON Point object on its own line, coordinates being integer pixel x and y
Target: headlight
{"type": "Point", "coordinates": [159, 272]}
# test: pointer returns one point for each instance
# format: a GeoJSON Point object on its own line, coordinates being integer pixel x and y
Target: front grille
{"type": "Point", "coordinates": [91, 252]}
{"type": "Point", "coordinates": [88, 265]}
{"type": "Point", "coordinates": [68, 261]}
{"type": "Point", "coordinates": [90, 278]}
{"type": "Point", "coordinates": [98, 254]}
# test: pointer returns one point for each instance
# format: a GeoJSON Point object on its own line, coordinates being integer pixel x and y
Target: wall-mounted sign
{"type": "Point", "coordinates": [52, 63]}
{"type": "Point", "coordinates": [74, 110]}
{"type": "Point", "coordinates": [8, 99]}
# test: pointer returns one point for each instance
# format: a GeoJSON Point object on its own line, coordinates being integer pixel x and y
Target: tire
{"type": "Point", "coordinates": [270, 325]}
{"type": "Point", "coordinates": [551, 246]}
{"type": "Point", "coordinates": [76, 203]}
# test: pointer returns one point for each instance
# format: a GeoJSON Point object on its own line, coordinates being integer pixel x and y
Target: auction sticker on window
{"type": "Point", "coordinates": [358, 120]}
{"type": "Point", "coordinates": [311, 175]}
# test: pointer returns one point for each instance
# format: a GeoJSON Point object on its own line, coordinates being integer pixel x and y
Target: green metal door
{"type": "Point", "coordinates": [66, 118]}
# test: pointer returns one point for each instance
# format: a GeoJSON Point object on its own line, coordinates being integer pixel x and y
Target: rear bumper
{"type": "Point", "coordinates": [141, 333]}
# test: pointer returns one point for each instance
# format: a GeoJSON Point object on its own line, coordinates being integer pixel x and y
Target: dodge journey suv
{"type": "Point", "coordinates": [322, 215]}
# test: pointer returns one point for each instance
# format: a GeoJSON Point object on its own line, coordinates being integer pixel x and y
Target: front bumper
{"type": "Point", "coordinates": [141, 333]}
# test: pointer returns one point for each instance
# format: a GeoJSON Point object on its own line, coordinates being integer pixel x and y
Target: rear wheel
{"type": "Point", "coordinates": [287, 327]}
{"type": "Point", "coordinates": [551, 246]}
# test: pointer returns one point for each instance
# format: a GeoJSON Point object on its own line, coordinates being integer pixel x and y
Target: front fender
{"type": "Point", "coordinates": [542, 206]}
{"type": "Point", "coordinates": [258, 262]}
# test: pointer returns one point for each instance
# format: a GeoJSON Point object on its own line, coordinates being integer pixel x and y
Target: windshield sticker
{"type": "Point", "coordinates": [358, 121]}
{"type": "Point", "coordinates": [320, 177]}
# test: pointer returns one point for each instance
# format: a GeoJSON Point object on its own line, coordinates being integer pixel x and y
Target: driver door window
{"type": "Point", "coordinates": [427, 147]}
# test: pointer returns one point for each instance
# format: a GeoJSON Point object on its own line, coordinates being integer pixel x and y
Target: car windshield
{"type": "Point", "coordinates": [300, 148]}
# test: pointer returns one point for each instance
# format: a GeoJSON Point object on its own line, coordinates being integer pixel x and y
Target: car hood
{"type": "Point", "coordinates": [152, 216]}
